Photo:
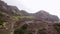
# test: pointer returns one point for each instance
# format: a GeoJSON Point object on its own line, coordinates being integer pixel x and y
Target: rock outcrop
{"type": "Point", "coordinates": [43, 15]}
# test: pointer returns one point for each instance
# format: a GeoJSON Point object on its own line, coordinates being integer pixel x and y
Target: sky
{"type": "Point", "coordinates": [32, 6]}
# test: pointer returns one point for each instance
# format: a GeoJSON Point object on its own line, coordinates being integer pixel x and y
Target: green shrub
{"type": "Point", "coordinates": [22, 30]}
{"type": "Point", "coordinates": [1, 22]}
{"type": "Point", "coordinates": [6, 32]}
{"type": "Point", "coordinates": [42, 31]}
{"type": "Point", "coordinates": [24, 27]}
{"type": "Point", "coordinates": [1, 14]}
{"type": "Point", "coordinates": [57, 27]}
{"type": "Point", "coordinates": [18, 31]}
{"type": "Point", "coordinates": [30, 32]}
{"type": "Point", "coordinates": [16, 17]}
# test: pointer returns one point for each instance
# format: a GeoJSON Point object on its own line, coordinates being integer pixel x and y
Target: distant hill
{"type": "Point", "coordinates": [45, 16]}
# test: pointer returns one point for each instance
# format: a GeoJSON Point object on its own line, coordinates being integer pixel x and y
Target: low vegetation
{"type": "Point", "coordinates": [17, 17]}
{"type": "Point", "coordinates": [22, 30]}
{"type": "Point", "coordinates": [1, 14]}
{"type": "Point", "coordinates": [42, 31]}
{"type": "Point", "coordinates": [57, 27]}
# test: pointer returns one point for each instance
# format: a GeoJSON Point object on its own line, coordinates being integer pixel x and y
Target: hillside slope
{"type": "Point", "coordinates": [15, 21]}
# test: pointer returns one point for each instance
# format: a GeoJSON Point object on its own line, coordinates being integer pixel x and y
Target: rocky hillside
{"type": "Point", "coordinates": [15, 21]}
{"type": "Point", "coordinates": [11, 10]}
{"type": "Point", "coordinates": [46, 16]}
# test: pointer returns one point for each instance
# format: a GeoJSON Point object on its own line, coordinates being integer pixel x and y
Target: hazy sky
{"type": "Point", "coordinates": [32, 6]}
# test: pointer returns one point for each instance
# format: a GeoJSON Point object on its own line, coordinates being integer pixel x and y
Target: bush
{"type": "Point", "coordinates": [42, 31]}
{"type": "Point", "coordinates": [1, 23]}
{"type": "Point", "coordinates": [24, 27]}
{"type": "Point", "coordinates": [22, 30]}
{"type": "Point", "coordinates": [6, 32]}
{"type": "Point", "coordinates": [1, 14]}
{"type": "Point", "coordinates": [18, 31]}
{"type": "Point", "coordinates": [57, 27]}
{"type": "Point", "coordinates": [28, 32]}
